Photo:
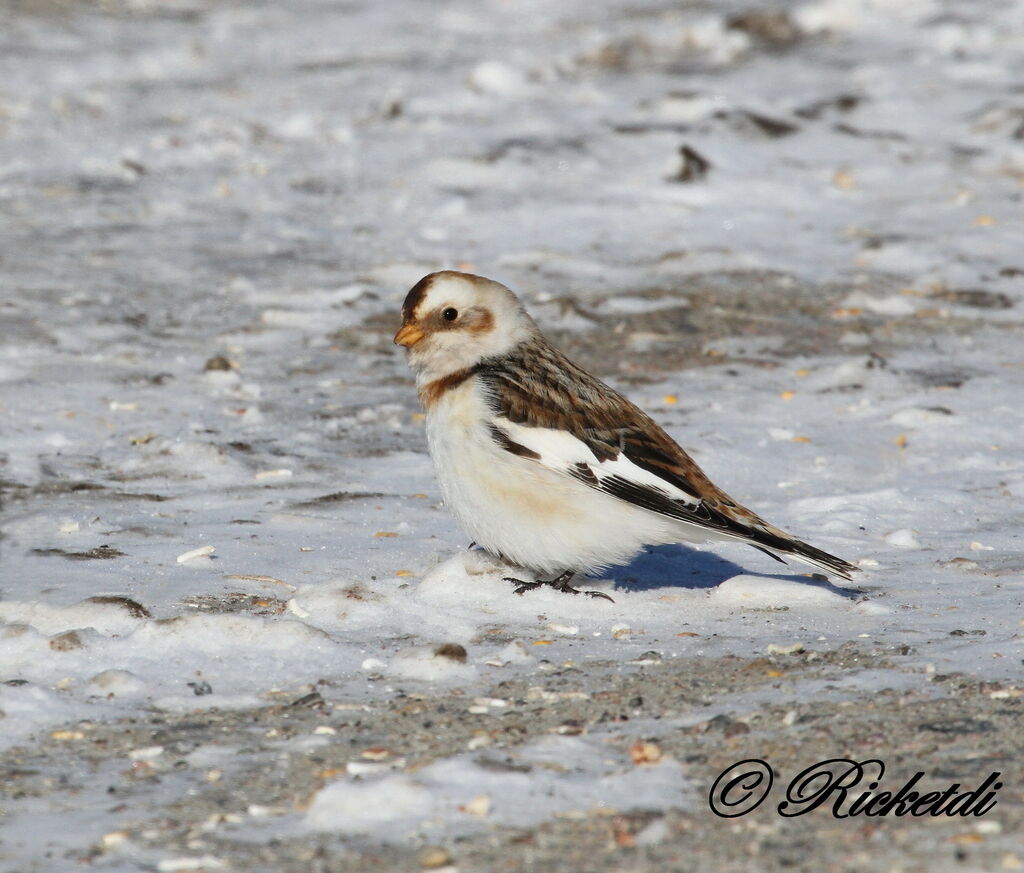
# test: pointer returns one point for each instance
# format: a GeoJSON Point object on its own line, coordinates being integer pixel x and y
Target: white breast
{"type": "Point", "coordinates": [533, 516]}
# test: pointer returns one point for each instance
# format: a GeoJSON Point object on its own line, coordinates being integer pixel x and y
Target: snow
{"type": "Point", "coordinates": [556, 776]}
{"type": "Point", "coordinates": [278, 522]}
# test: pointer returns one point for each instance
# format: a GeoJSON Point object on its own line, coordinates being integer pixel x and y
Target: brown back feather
{"type": "Point", "coordinates": [537, 386]}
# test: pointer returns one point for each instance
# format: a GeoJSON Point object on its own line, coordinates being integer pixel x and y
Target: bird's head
{"type": "Point", "coordinates": [451, 321]}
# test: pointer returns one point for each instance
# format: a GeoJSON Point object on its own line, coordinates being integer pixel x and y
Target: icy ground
{"type": "Point", "coordinates": [215, 492]}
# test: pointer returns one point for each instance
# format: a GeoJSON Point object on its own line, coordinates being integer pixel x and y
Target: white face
{"type": "Point", "coordinates": [451, 321]}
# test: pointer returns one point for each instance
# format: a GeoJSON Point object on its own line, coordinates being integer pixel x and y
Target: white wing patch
{"type": "Point", "coordinates": [562, 452]}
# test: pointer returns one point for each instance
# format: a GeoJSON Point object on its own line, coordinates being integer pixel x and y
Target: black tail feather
{"type": "Point", "coordinates": [771, 540]}
{"type": "Point", "coordinates": [803, 551]}
{"type": "Point", "coordinates": [769, 554]}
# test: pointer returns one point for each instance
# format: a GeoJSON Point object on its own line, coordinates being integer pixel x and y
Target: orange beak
{"type": "Point", "coordinates": [408, 335]}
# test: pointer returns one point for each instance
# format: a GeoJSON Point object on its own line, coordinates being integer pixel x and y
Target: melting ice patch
{"type": "Point", "coordinates": [551, 777]}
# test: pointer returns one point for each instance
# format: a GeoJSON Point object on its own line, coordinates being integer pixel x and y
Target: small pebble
{"type": "Point", "coordinates": [294, 608]}
{"type": "Point", "coordinates": [201, 552]}
{"type": "Point", "coordinates": [433, 857]}
{"type": "Point", "coordinates": [643, 752]}
{"type": "Point", "coordinates": [175, 865]}
{"type": "Point", "coordinates": [959, 564]}
{"type": "Point", "coordinates": [114, 839]}
{"type": "Point", "coordinates": [454, 651]}
{"type": "Point", "coordinates": [793, 649]}
{"type": "Point", "coordinates": [479, 806]}
{"type": "Point", "coordinates": [376, 753]}
{"type": "Point", "coordinates": [66, 641]}
{"type": "Point", "coordinates": [217, 363]}
{"type": "Point", "coordinates": [735, 728]}
{"type": "Point", "coordinates": [495, 702]}
{"type": "Point", "coordinates": [67, 735]}
{"type": "Point", "coordinates": [146, 754]}
{"type": "Point", "coordinates": [371, 768]}
{"type": "Point", "coordinates": [260, 475]}
{"type": "Point", "coordinates": [692, 165]}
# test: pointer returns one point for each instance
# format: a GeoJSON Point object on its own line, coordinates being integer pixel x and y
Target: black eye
{"type": "Point", "coordinates": [450, 314]}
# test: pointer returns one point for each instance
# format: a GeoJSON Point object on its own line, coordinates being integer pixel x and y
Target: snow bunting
{"type": "Point", "coordinates": [542, 463]}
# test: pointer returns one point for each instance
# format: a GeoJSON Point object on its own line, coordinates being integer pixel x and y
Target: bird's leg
{"type": "Point", "coordinates": [562, 584]}
{"type": "Point", "coordinates": [559, 583]}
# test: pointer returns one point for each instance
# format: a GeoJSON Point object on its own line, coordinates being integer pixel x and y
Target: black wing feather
{"type": "Point", "coordinates": [566, 397]}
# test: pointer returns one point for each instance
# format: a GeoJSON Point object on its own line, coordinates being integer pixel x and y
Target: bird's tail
{"type": "Point", "coordinates": [756, 532]}
{"type": "Point", "coordinates": [801, 551]}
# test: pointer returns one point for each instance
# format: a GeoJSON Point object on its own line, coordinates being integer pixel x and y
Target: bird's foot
{"type": "Point", "coordinates": [521, 586]}
{"type": "Point", "coordinates": [561, 583]}
{"type": "Point", "coordinates": [566, 588]}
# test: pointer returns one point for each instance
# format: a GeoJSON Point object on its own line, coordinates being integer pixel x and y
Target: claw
{"type": "Point", "coordinates": [568, 589]}
{"type": "Point", "coordinates": [522, 586]}
{"type": "Point", "coordinates": [559, 584]}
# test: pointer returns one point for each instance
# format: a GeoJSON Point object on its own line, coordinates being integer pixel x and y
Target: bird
{"type": "Point", "coordinates": [544, 465]}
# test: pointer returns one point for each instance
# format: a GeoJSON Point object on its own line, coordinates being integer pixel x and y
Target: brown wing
{"type": "Point", "coordinates": [537, 386]}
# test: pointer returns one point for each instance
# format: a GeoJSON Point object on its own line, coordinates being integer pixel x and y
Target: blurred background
{"type": "Point", "coordinates": [165, 165]}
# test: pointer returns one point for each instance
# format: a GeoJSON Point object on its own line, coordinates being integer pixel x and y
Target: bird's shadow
{"type": "Point", "coordinates": [676, 566]}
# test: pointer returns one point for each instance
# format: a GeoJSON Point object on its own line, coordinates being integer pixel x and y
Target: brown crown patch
{"type": "Point", "coordinates": [415, 296]}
